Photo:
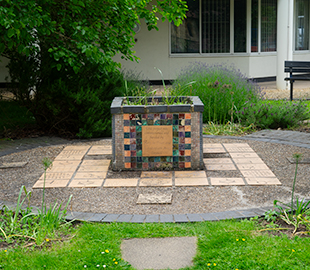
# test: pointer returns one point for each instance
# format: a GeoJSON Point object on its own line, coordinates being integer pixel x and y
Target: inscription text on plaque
{"type": "Point", "coordinates": [156, 141]}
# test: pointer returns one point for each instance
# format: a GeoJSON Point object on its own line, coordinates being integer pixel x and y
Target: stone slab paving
{"type": "Point", "coordinates": [75, 168]}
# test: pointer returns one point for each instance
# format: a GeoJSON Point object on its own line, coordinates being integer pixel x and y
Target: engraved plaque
{"type": "Point", "coordinates": [156, 141]}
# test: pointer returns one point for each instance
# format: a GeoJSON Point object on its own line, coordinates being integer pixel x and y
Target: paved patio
{"type": "Point", "coordinates": [87, 166]}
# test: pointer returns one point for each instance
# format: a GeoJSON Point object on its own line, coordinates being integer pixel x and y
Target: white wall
{"type": "Point", "coordinates": [152, 47]}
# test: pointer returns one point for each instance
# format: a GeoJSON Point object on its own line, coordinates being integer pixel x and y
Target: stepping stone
{"type": "Point", "coordinates": [66, 163]}
{"type": "Point", "coordinates": [216, 161]}
{"type": "Point", "coordinates": [263, 181]}
{"type": "Point", "coordinates": [221, 167]}
{"type": "Point", "coordinates": [191, 182]}
{"type": "Point", "coordinates": [125, 182]}
{"type": "Point", "coordinates": [300, 161]}
{"type": "Point", "coordinates": [61, 169]}
{"type": "Point", "coordinates": [187, 174]}
{"type": "Point", "coordinates": [159, 253]}
{"type": "Point", "coordinates": [8, 165]}
{"type": "Point", "coordinates": [226, 181]}
{"type": "Point", "coordinates": [86, 183]}
{"type": "Point", "coordinates": [154, 199]}
{"type": "Point", "coordinates": [155, 182]}
{"type": "Point", "coordinates": [77, 148]}
{"type": "Point", "coordinates": [156, 174]}
{"type": "Point", "coordinates": [238, 148]}
{"type": "Point", "coordinates": [215, 148]}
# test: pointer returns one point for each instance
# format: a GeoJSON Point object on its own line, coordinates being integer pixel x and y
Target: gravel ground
{"type": "Point", "coordinates": [185, 199]}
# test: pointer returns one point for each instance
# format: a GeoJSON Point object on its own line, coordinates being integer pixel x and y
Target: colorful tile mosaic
{"type": "Point", "coordinates": [182, 142]}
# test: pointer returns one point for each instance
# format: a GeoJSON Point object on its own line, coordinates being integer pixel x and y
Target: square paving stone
{"type": "Point", "coordinates": [100, 162]}
{"type": "Point", "coordinates": [137, 219]}
{"type": "Point", "coordinates": [121, 182]}
{"type": "Point", "coordinates": [248, 161]}
{"type": "Point", "coordinates": [151, 219]}
{"type": "Point", "coordinates": [61, 169]}
{"type": "Point", "coordinates": [252, 167]}
{"type": "Point", "coordinates": [156, 174]}
{"type": "Point", "coordinates": [110, 218]}
{"type": "Point", "coordinates": [90, 175]}
{"type": "Point", "coordinates": [69, 163]}
{"type": "Point", "coordinates": [69, 157]}
{"type": "Point", "coordinates": [191, 182]}
{"type": "Point", "coordinates": [226, 181]}
{"type": "Point", "coordinates": [221, 167]}
{"type": "Point", "coordinates": [97, 217]}
{"type": "Point", "coordinates": [76, 148]}
{"type": "Point", "coordinates": [257, 174]}
{"type": "Point", "coordinates": [57, 176]}
{"type": "Point", "coordinates": [216, 161]}
{"type": "Point", "coordinates": [8, 165]}
{"type": "Point", "coordinates": [208, 217]}
{"type": "Point", "coordinates": [100, 150]}
{"type": "Point", "coordinates": [194, 217]}
{"type": "Point", "coordinates": [86, 183]}
{"type": "Point", "coordinates": [159, 253]}
{"type": "Point", "coordinates": [213, 150]}
{"type": "Point", "coordinates": [166, 218]}
{"type": "Point", "coordinates": [189, 174]}
{"type": "Point", "coordinates": [178, 218]}
{"type": "Point", "coordinates": [155, 182]}
{"type": "Point", "coordinates": [51, 184]}
{"type": "Point", "coordinates": [243, 155]}
{"type": "Point", "coordinates": [84, 168]}
{"type": "Point", "coordinates": [124, 218]}
{"type": "Point", "coordinates": [154, 199]}
{"type": "Point", "coordinates": [263, 181]}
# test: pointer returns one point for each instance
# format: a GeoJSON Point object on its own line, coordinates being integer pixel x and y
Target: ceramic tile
{"type": "Point", "coordinates": [191, 181]}
{"type": "Point", "coordinates": [66, 163]}
{"type": "Point", "coordinates": [126, 182]}
{"type": "Point", "coordinates": [83, 148]}
{"type": "Point", "coordinates": [244, 155]}
{"type": "Point", "coordinates": [226, 181]}
{"type": "Point", "coordinates": [155, 182]}
{"type": "Point", "coordinates": [61, 169]}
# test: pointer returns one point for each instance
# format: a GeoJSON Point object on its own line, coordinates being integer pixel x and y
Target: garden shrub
{"type": "Point", "coordinates": [220, 88]}
{"type": "Point", "coordinates": [278, 114]}
{"type": "Point", "coordinates": [66, 103]}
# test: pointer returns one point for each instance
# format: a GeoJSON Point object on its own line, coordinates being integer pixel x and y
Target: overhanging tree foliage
{"type": "Point", "coordinates": [62, 51]}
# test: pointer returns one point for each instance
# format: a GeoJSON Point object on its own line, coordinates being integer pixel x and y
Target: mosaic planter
{"type": "Point", "coordinates": [157, 137]}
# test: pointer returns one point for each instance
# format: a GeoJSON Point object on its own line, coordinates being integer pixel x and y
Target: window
{"type": "Point", "coordinates": [302, 25]}
{"type": "Point", "coordinates": [220, 26]}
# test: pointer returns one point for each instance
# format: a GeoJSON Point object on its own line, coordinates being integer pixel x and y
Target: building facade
{"type": "Point", "coordinates": [256, 36]}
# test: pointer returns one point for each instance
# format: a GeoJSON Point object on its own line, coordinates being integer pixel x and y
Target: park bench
{"type": "Point", "coordinates": [299, 71]}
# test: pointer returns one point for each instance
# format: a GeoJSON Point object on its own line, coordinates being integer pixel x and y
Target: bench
{"type": "Point", "coordinates": [299, 71]}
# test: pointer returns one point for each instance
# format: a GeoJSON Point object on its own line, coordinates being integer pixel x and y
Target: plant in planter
{"type": "Point", "coordinates": [157, 132]}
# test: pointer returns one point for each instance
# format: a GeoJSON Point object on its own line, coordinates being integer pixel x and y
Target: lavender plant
{"type": "Point", "coordinates": [221, 88]}
{"type": "Point", "coordinates": [280, 114]}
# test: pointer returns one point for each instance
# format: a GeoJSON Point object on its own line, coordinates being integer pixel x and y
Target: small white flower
{"type": "Point", "coordinates": [102, 252]}
{"type": "Point", "coordinates": [104, 266]}
{"type": "Point", "coordinates": [79, 251]}
{"type": "Point", "coordinates": [85, 266]}
{"type": "Point", "coordinates": [98, 265]}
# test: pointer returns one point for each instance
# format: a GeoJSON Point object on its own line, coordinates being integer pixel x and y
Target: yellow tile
{"type": "Point", "coordinates": [190, 174]}
{"type": "Point", "coordinates": [155, 182]}
{"type": "Point", "coordinates": [155, 174]}
{"type": "Point", "coordinates": [263, 181]}
{"type": "Point", "coordinates": [226, 181]}
{"type": "Point", "coordinates": [126, 182]}
{"type": "Point", "coordinates": [93, 168]}
{"type": "Point", "coordinates": [86, 183]}
{"type": "Point", "coordinates": [191, 182]}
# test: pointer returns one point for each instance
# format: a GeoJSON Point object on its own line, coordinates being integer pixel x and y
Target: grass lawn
{"type": "Point", "coordinates": [221, 245]}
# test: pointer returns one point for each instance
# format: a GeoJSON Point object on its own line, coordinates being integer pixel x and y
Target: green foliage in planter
{"type": "Point", "coordinates": [220, 88]}
{"type": "Point", "coordinates": [279, 114]}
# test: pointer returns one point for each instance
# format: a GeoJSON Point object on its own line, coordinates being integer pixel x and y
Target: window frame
{"type": "Point", "coordinates": [231, 53]}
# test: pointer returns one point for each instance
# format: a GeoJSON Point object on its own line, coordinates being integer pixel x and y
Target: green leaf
{"type": "Point", "coordinates": [11, 32]}
{"type": "Point", "coordinates": [58, 66]}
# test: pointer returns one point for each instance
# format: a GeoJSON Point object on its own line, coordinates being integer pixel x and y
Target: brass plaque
{"type": "Point", "coordinates": [156, 141]}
